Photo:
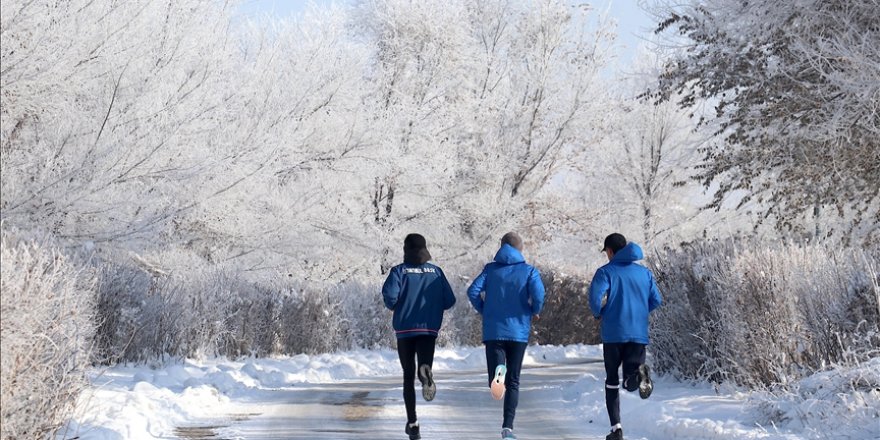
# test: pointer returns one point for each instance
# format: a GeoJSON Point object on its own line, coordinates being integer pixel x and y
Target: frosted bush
{"type": "Point", "coordinates": [199, 312]}
{"type": "Point", "coordinates": [461, 324]}
{"type": "Point", "coordinates": [763, 316]}
{"type": "Point", "coordinates": [310, 322]}
{"type": "Point", "coordinates": [46, 302]}
{"type": "Point", "coordinates": [208, 310]}
{"type": "Point", "coordinates": [118, 309]}
{"type": "Point", "coordinates": [366, 320]}
{"type": "Point", "coordinates": [566, 318]}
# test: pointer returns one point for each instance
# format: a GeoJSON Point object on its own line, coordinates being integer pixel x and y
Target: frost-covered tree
{"type": "Point", "coordinates": [304, 110]}
{"type": "Point", "coordinates": [797, 87]}
{"type": "Point", "coordinates": [653, 158]}
{"type": "Point", "coordinates": [417, 81]}
{"type": "Point", "coordinates": [143, 125]}
{"type": "Point", "coordinates": [649, 157]}
{"type": "Point", "coordinates": [116, 116]}
{"type": "Point", "coordinates": [541, 105]}
{"type": "Point", "coordinates": [479, 105]}
{"type": "Point", "coordinates": [174, 128]}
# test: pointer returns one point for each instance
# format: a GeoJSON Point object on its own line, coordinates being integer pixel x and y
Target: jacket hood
{"type": "Point", "coordinates": [416, 256]}
{"type": "Point", "coordinates": [630, 253]}
{"type": "Point", "coordinates": [509, 255]}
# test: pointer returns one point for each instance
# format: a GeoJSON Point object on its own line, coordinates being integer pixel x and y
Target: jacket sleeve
{"type": "Point", "coordinates": [391, 289]}
{"type": "Point", "coordinates": [598, 288]}
{"type": "Point", "coordinates": [654, 298]}
{"type": "Point", "coordinates": [448, 295]}
{"type": "Point", "coordinates": [536, 291]}
{"type": "Point", "coordinates": [474, 291]}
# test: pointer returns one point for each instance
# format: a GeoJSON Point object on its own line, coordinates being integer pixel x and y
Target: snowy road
{"type": "Point", "coordinates": [357, 395]}
{"type": "Point", "coordinates": [373, 409]}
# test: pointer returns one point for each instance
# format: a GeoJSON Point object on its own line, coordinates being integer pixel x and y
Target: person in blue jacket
{"type": "Point", "coordinates": [622, 294]}
{"type": "Point", "coordinates": [418, 293]}
{"type": "Point", "coordinates": [507, 293]}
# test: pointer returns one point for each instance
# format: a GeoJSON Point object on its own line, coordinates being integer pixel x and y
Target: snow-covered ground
{"type": "Point", "coordinates": [357, 395]}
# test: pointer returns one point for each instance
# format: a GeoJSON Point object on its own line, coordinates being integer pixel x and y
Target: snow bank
{"type": "Point", "coordinates": [140, 402]}
{"type": "Point", "coordinates": [847, 399]}
{"type": "Point", "coordinates": [839, 404]}
{"type": "Point", "coordinates": [675, 411]}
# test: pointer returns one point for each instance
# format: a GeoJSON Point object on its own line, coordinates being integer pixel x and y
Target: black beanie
{"type": "Point", "coordinates": [415, 249]}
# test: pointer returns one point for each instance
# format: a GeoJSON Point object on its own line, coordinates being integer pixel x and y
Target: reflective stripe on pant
{"type": "Point", "coordinates": [630, 355]}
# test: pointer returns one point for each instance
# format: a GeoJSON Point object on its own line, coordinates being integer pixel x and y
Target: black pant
{"type": "Point", "coordinates": [407, 349]}
{"type": "Point", "coordinates": [509, 353]}
{"type": "Point", "coordinates": [631, 355]}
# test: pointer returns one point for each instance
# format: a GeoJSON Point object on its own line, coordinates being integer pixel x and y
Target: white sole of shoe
{"type": "Point", "coordinates": [497, 387]}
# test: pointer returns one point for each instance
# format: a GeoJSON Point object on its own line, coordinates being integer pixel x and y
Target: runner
{"type": "Point", "coordinates": [622, 294]}
{"type": "Point", "coordinates": [507, 293]}
{"type": "Point", "coordinates": [418, 293]}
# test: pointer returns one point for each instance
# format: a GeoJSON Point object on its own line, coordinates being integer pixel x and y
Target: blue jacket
{"type": "Point", "coordinates": [631, 295]}
{"type": "Point", "coordinates": [418, 294]}
{"type": "Point", "coordinates": [513, 293]}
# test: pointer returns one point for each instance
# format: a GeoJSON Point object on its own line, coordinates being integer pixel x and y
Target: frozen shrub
{"type": "Point", "coordinates": [254, 322]}
{"type": "Point", "coordinates": [46, 305]}
{"type": "Point", "coordinates": [761, 315]}
{"type": "Point", "coordinates": [210, 310]}
{"type": "Point", "coordinates": [118, 311]}
{"type": "Point", "coordinates": [566, 318]}
{"type": "Point", "coordinates": [367, 323]}
{"type": "Point", "coordinates": [461, 324]}
{"type": "Point", "coordinates": [311, 322]}
{"type": "Point", "coordinates": [202, 311]}
{"type": "Point", "coordinates": [229, 315]}
{"type": "Point", "coordinates": [137, 315]}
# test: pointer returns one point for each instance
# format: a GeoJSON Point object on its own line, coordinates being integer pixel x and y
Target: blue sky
{"type": "Point", "coordinates": [634, 24]}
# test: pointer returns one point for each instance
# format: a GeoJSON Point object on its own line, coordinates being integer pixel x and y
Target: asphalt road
{"type": "Point", "coordinates": [373, 409]}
